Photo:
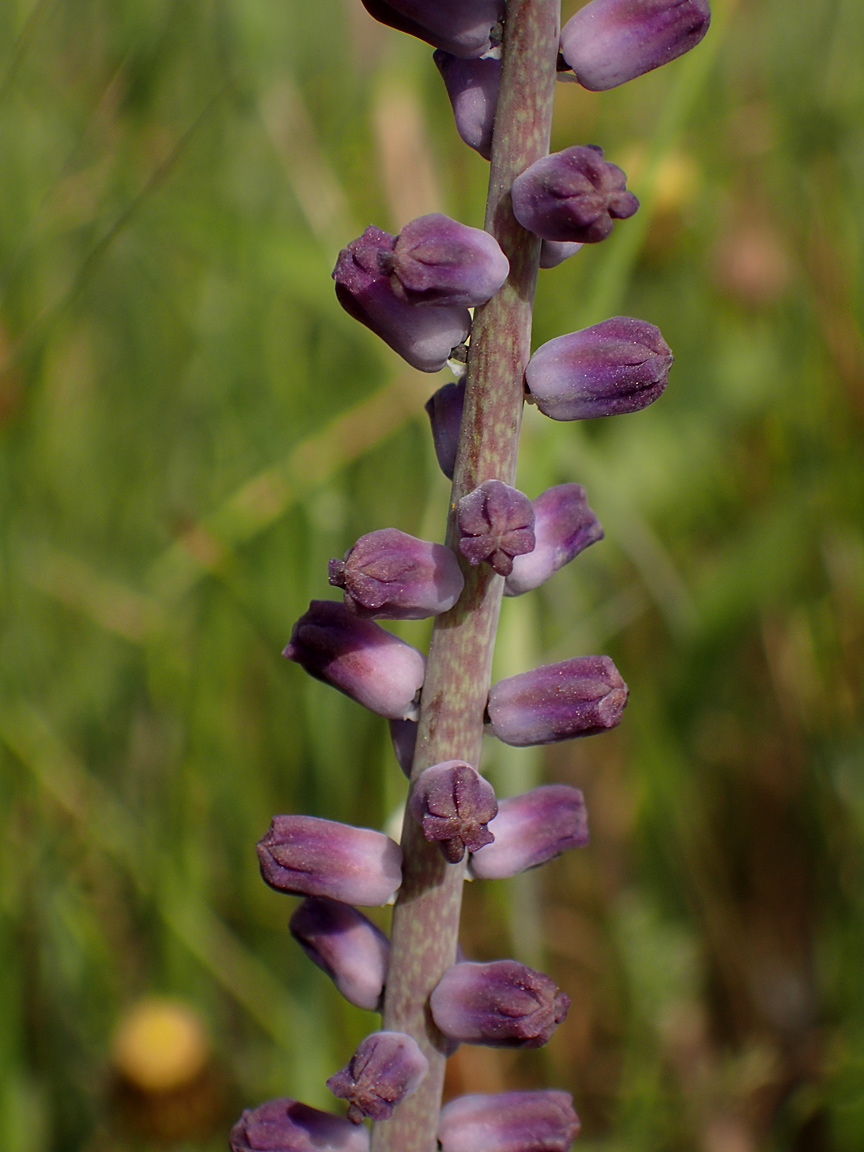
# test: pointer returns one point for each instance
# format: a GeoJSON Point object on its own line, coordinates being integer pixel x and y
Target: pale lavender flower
{"type": "Point", "coordinates": [462, 27]}
{"type": "Point", "coordinates": [608, 42]}
{"type": "Point", "coordinates": [539, 1121]}
{"type": "Point", "coordinates": [387, 1067]}
{"type": "Point", "coordinates": [496, 523]}
{"type": "Point", "coordinates": [403, 734]}
{"type": "Point", "coordinates": [444, 409]}
{"type": "Point", "coordinates": [502, 1005]}
{"type": "Point", "coordinates": [531, 829]}
{"type": "Point", "coordinates": [577, 697]}
{"type": "Point", "coordinates": [564, 526]}
{"type": "Point", "coordinates": [555, 252]}
{"type": "Point", "coordinates": [453, 805]}
{"type": "Point", "coordinates": [389, 574]}
{"type": "Point", "coordinates": [310, 856]}
{"type": "Point", "coordinates": [572, 196]}
{"type": "Point", "coordinates": [620, 365]}
{"type": "Point", "coordinates": [286, 1125]}
{"type": "Point", "coordinates": [346, 945]}
{"type": "Point", "coordinates": [358, 657]}
{"type": "Point", "coordinates": [472, 86]}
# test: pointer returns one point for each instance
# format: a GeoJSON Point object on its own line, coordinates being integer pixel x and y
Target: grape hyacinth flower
{"type": "Point", "coordinates": [453, 805]}
{"type": "Point", "coordinates": [620, 365]}
{"type": "Point", "coordinates": [472, 87]}
{"type": "Point", "coordinates": [387, 1067]}
{"type": "Point", "coordinates": [436, 260]}
{"type": "Point", "coordinates": [346, 945]}
{"type": "Point", "coordinates": [578, 697]}
{"type": "Point", "coordinates": [538, 1121]}
{"type": "Point", "coordinates": [389, 574]}
{"type": "Point", "coordinates": [496, 523]}
{"type": "Point", "coordinates": [531, 829]}
{"type": "Point", "coordinates": [286, 1125]}
{"type": "Point", "coordinates": [359, 658]}
{"type": "Point", "coordinates": [502, 1005]}
{"type": "Point", "coordinates": [608, 42]}
{"type": "Point", "coordinates": [462, 27]}
{"type": "Point", "coordinates": [564, 526]}
{"type": "Point", "coordinates": [310, 856]}
{"type": "Point", "coordinates": [572, 196]}
{"type": "Point", "coordinates": [444, 409]}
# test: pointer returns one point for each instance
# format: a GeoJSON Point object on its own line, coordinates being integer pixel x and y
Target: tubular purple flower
{"type": "Point", "coordinates": [496, 523]}
{"type": "Point", "coordinates": [424, 336]}
{"type": "Point", "coordinates": [555, 252]}
{"type": "Point", "coordinates": [472, 86]}
{"type": "Point", "coordinates": [577, 697]}
{"type": "Point", "coordinates": [346, 945]}
{"type": "Point", "coordinates": [288, 1126]}
{"type": "Point", "coordinates": [564, 526]}
{"type": "Point", "coordinates": [444, 409]}
{"type": "Point", "coordinates": [531, 829]}
{"type": "Point", "coordinates": [620, 365]}
{"type": "Point", "coordinates": [502, 1005]}
{"type": "Point", "coordinates": [539, 1121]}
{"type": "Point", "coordinates": [309, 856]}
{"type": "Point", "coordinates": [358, 657]}
{"type": "Point", "coordinates": [609, 42]}
{"type": "Point", "coordinates": [462, 27]}
{"type": "Point", "coordinates": [436, 260]}
{"type": "Point", "coordinates": [453, 804]}
{"type": "Point", "coordinates": [572, 196]}
{"type": "Point", "coordinates": [389, 574]}
{"type": "Point", "coordinates": [403, 734]}
{"type": "Point", "coordinates": [387, 1067]}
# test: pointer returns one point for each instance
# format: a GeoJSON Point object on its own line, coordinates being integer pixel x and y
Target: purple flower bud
{"type": "Point", "coordinates": [555, 252]}
{"type": "Point", "coordinates": [564, 526]}
{"type": "Point", "coordinates": [462, 27]}
{"type": "Point", "coordinates": [611, 41]}
{"type": "Point", "coordinates": [403, 734]}
{"type": "Point", "coordinates": [540, 1121]}
{"type": "Point", "coordinates": [444, 409]}
{"type": "Point", "coordinates": [619, 365]}
{"type": "Point", "coordinates": [453, 804]}
{"type": "Point", "coordinates": [557, 702]}
{"type": "Point", "coordinates": [308, 856]}
{"type": "Point", "coordinates": [572, 195]}
{"type": "Point", "coordinates": [424, 336]}
{"type": "Point", "coordinates": [531, 829]}
{"type": "Point", "coordinates": [502, 1005]}
{"type": "Point", "coordinates": [391, 574]}
{"type": "Point", "coordinates": [289, 1126]}
{"type": "Point", "coordinates": [439, 261]}
{"type": "Point", "coordinates": [496, 523]}
{"type": "Point", "coordinates": [359, 658]}
{"type": "Point", "coordinates": [472, 86]}
{"type": "Point", "coordinates": [349, 947]}
{"type": "Point", "coordinates": [387, 1067]}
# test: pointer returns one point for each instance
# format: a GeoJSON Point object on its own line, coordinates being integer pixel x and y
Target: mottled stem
{"type": "Point", "coordinates": [426, 916]}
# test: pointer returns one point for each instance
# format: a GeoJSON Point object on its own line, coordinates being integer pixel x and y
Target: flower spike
{"type": "Point", "coordinates": [539, 1121]}
{"type": "Point", "coordinates": [346, 945]}
{"type": "Point", "coordinates": [387, 1067]}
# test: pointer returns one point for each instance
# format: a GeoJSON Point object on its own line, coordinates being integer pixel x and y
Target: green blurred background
{"type": "Point", "coordinates": [190, 427]}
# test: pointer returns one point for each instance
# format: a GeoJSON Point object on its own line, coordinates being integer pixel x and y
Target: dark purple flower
{"type": "Point", "coordinates": [564, 526]}
{"type": "Point", "coordinates": [359, 658]}
{"type": "Point", "coordinates": [346, 945]}
{"type": "Point", "coordinates": [403, 734]}
{"type": "Point", "coordinates": [611, 41]}
{"type": "Point", "coordinates": [502, 1005]}
{"type": "Point", "coordinates": [531, 829]}
{"type": "Point", "coordinates": [572, 196]}
{"type": "Point", "coordinates": [462, 27]}
{"type": "Point", "coordinates": [496, 523]}
{"type": "Point", "coordinates": [555, 252]}
{"type": "Point", "coordinates": [387, 1067]}
{"type": "Point", "coordinates": [444, 409]}
{"type": "Point", "coordinates": [557, 702]}
{"type": "Point", "coordinates": [396, 576]}
{"type": "Point", "coordinates": [540, 1121]}
{"type": "Point", "coordinates": [452, 803]}
{"type": "Point", "coordinates": [309, 856]}
{"type": "Point", "coordinates": [617, 366]}
{"type": "Point", "coordinates": [424, 336]}
{"type": "Point", "coordinates": [472, 86]}
{"type": "Point", "coordinates": [436, 260]}
{"type": "Point", "coordinates": [289, 1126]}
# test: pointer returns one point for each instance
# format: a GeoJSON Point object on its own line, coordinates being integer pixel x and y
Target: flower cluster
{"type": "Point", "coordinates": [416, 291]}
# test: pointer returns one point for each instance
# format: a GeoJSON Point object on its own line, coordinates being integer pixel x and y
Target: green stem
{"type": "Point", "coordinates": [426, 916]}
